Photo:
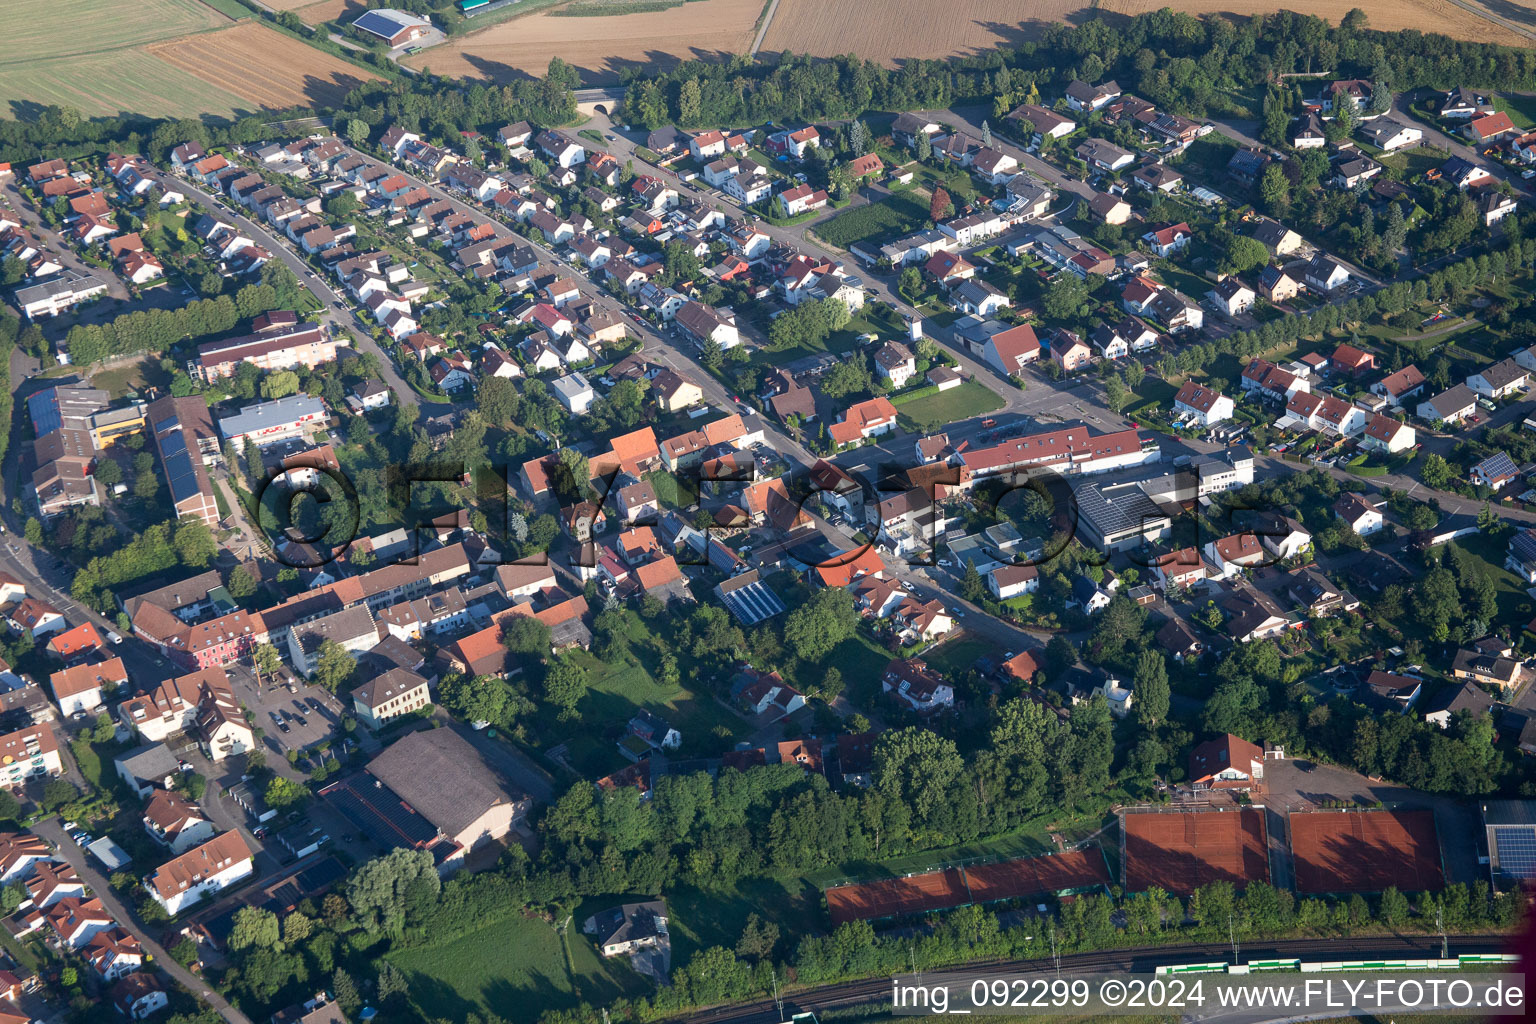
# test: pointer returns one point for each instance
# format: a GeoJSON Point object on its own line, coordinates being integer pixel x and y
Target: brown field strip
{"type": "Point", "coordinates": [267, 68]}
{"type": "Point", "coordinates": [598, 46]}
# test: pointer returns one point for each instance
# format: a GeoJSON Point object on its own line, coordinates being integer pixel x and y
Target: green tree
{"type": "Point", "coordinates": [254, 928]}
{"type": "Point", "coordinates": [283, 793]}
{"type": "Point", "coordinates": [266, 660]}
{"type": "Point", "coordinates": [280, 384]}
{"type": "Point", "coordinates": [34, 532]}
{"type": "Point", "coordinates": [526, 635]}
{"type": "Point", "coordinates": [241, 583]}
{"type": "Point", "coordinates": [388, 891]}
{"type": "Point", "coordinates": [1275, 191]}
{"type": "Point", "coordinates": [194, 543]}
{"type": "Point", "coordinates": [335, 667]}
{"type": "Point", "coordinates": [1436, 472]}
{"type": "Point", "coordinates": [819, 625]}
{"type": "Point", "coordinates": [565, 683]}
{"type": "Point", "coordinates": [1065, 297]}
{"type": "Point", "coordinates": [1151, 688]}
{"type": "Point", "coordinates": [108, 473]}
{"type": "Point", "coordinates": [972, 587]}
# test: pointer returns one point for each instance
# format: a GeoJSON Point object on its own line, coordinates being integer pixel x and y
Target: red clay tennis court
{"type": "Point", "coordinates": [978, 883]}
{"type": "Point", "coordinates": [1365, 851]}
{"type": "Point", "coordinates": [1034, 876]}
{"type": "Point", "coordinates": [1183, 850]}
{"type": "Point", "coordinates": [893, 897]}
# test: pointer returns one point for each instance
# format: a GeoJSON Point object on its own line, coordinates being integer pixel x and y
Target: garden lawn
{"type": "Point", "coordinates": [514, 968]}
{"type": "Point", "coordinates": [616, 693]}
{"type": "Point", "coordinates": [861, 661]}
{"type": "Point", "coordinates": [1211, 153]}
{"type": "Point", "coordinates": [937, 411]}
{"type": "Point", "coordinates": [1514, 602]}
{"type": "Point", "coordinates": [956, 656]}
{"type": "Point", "coordinates": [877, 223]}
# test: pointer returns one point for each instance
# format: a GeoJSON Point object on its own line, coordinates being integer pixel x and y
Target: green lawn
{"type": "Point", "coordinates": [1520, 108]}
{"type": "Point", "coordinates": [956, 656]}
{"type": "Point", "coordinates": [514, 968]}
{"type": "Point", "coordinates": [615, 693]}
{"type": "Point", "coordinates": [1514, 603]}
{"type": "Point", "coordinates": [877, 223]}
{"type": "Point", "coordinates": [937, 411]}
{"type": "Point", "coordinates": [860, 660]}
{"type": "Point", "coordinates": [1210, 154]}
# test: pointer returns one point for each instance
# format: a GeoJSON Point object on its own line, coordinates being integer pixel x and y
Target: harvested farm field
{"type": "Point", "coordinates": [599, 46]}
{"type": "Point", "coordinates": [96, 65]}
{"type": "Point", "coordinates": [265, 68]}
{"type": "Point", "coordinates": [1441, 16]}
{"type": "Point", "coordinates": [311, 13]}
{"type": "Point", "coordinates": [889, 30]}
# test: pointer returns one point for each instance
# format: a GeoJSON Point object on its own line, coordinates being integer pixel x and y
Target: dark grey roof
{"type": "Point", "coordinates": [631, 921]}
{"type": "Point", "coordinates": [1509, 812]}
{"type": "Point", "coordinates": [438, 773]}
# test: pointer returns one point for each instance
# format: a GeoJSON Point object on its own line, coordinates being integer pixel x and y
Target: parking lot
{"type": "Point", "coordinates": [309, 713]}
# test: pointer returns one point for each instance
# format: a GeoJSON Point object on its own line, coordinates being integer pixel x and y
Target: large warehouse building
{"type": "Point", "coordinates": [431, 790]}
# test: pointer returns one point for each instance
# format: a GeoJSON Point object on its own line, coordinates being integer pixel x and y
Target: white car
{"type": "Point", "coordinates": [113, 637]}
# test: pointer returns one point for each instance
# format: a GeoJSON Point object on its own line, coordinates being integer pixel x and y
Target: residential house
{"type": "Point", "coordinates": [1203, 405]}
{"type": "Point", "coordinates": [1231, 297]}
{"type": "Point", "coordinates": [1084, 97]}
{"type": "Point", "coordinates": [1400, 386]}
{"type": "Point", "coordinates": [1503, 378]}
{"type": "Point", "coordinates": [1102, 155]}
{"type": "Point", "coordinates": [1495, 472]}
{"type": "Point", "coordinates": [1168, 240]}
{"type": "Point", "coordinates": [205, 869]}
{"type": "Point", "coordinates": [1228, 763]}
{"type": "Point", "coordinates": [1358, 514]}
{"type": "Point", "coordinates": [1451, 407]}
{"type": "Point", "coordinates": [911, 682]}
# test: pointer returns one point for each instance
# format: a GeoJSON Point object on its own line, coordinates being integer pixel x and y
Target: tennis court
{"type": "Point", "coordinates": [976, 883]}
{"type": "Point", "coordinates": [1365, 851]}
{"type": "Point", "coordinates": [1036, 876]}
{"type": "Point", "coordinates": [894, 897]}
{"type": "Point", "coordinates": [1181, 851]}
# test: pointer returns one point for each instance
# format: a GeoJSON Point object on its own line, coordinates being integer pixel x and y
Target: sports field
{"type": "Point", "coordinates": [1366, 851]}
{"type": "Point", "coordinates": [1182, 850]}
{"type": "Point", "coordinates": [976, 883]}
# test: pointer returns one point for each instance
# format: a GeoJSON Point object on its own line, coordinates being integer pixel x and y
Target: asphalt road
{"type": "Point", "coordinates": [52, 831]}
{"type": "Point", "coordinates": [340, 321]}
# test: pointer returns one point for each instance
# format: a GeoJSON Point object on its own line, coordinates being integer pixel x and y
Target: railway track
{"type": "Point", "coordinates": [874, 992]}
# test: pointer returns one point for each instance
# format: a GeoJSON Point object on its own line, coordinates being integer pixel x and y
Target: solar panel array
{"type": "Point", "coordinates": [1514, 850]}
{"type": "Point", "coordinates": [379, 813]}
{"type": "Point", "coordinates": [753, 603]}
{"type": "Point", "coordinates": [180, 466]}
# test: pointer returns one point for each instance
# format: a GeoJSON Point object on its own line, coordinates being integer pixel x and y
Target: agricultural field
{"type": "Point", "coordinates": [97, 66]}
{"type": "Point", "coordinates": [311, 13]}
{"type": "Point", "coordinates": [599, 46]}
{"type": "Point", "coordinates": [178, 58]}
{"type": "Point", "coordinates": [274, 71]}
{"type": "Point", "coordinates": [478, 973]}
{"type": "Point", "coordinates": [110, 83]}
{"type": "Point", "coordinates": [889, 30]}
